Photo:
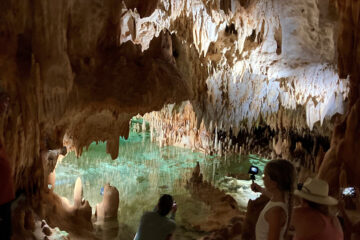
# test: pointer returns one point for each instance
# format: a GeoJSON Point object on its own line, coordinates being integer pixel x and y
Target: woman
{"type": "Point", "coordinates": [274, 219]}
{"type": "Point", "coordinates": [312, 219]}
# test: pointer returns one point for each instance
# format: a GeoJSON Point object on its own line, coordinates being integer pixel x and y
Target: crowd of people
{"type": "Point", "coordinates": [310, 219]}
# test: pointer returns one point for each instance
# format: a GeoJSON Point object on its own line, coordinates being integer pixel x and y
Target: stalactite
{"type": "Point", "coordinates": [73, 73]}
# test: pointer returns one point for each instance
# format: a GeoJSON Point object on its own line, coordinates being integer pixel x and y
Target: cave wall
{"type": "Point", "coordinates": [344, 153]}
{"type": "Point", "coordinates": [70, 82]}
{"type": "Point", "coordinates": [77, 71]}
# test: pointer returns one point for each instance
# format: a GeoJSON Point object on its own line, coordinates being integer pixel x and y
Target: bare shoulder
{"type": "Point", "coordinates": [276, 210]}
{"type": "Point", "coordinates": [276, 214]}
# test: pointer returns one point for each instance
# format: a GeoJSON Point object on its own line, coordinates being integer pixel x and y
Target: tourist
{"type": "Point", "coordinates": [351, 229]}
{"type": "Point", "coordinates": [311, 219]}
{"type": "Point", "coordinates": [273, 221]}
{"type": "Point", "coordinates": [156, 224]}
{"type": "Point", "coordinates": [6, 195]}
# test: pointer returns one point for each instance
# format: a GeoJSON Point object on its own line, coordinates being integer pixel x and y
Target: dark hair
{"type": "Point", "coordinates": [283, 173]}
{"type": "Point", "coordinates": [165, 204]}
{"type": "Point", "coordinates": [324, 209]}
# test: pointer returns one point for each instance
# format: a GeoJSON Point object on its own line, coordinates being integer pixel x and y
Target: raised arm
{"type": "Point", "coordinates": [257, 188]}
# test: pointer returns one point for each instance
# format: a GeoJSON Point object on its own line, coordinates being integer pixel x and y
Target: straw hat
{"type": "Point", "coordinates": [317, 191]}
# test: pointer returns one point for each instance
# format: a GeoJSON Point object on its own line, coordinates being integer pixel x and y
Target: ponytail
{"type": "Point", "coordinates": [283, 173]}
{"type": "Point", "coordinates": [290, 206]}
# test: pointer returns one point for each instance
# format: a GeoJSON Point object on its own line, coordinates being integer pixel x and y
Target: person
{"type": "Point", "coordinates": [156, 224]}
{"type": "Point", "coordinates": [351, 229]}
{"type": "Point", "coordinates": [6, 194]}
{"type": "Point", "coordinates": [273, 221]}
{"type": "Point", "coordinates": [311, 219]}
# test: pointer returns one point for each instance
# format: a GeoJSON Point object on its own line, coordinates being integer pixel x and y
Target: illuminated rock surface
{"type": "Point", "coordinates": [283, 77]}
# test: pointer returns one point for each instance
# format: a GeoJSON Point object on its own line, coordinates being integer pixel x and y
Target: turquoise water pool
{"type": "Point", "coordinates": [142, 172]}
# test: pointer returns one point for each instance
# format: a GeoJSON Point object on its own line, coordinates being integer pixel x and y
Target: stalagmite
{"type": "Point", "coordinates": [78, 193]}
{"type": "Point", "coordinates": [282, 76]}
{"type": "Point", "coordinates": [108, 208]}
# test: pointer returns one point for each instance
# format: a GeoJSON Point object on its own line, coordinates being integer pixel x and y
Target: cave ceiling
{"type": "Point", "coordinates": [77, 71]}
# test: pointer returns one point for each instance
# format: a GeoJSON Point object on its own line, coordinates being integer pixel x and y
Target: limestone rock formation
{"type": "Point", "coordinates": [86, 68]}
{"type": "Point", "coordinates": [177, 124]}
{"type": "Point", "coordinates": [226, 220]}
{"type": "Point", "coordinates": [73, 72]}
{"type": "Point", "coordinates": [344, 151]}
{"type": "Point", "coordinates": [108, 208]}
{"type": "Point", "coordinates": [107, 225]}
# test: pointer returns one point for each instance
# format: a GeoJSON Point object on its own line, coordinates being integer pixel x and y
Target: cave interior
{"type": "Point", "coordinates": [220, 78]}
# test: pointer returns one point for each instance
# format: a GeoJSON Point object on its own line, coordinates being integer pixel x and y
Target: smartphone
{"type": "Point", "coordinates": [349, 192]}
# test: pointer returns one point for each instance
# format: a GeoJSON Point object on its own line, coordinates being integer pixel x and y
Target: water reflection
{"type": "Point", "coordinates": [142, 172]}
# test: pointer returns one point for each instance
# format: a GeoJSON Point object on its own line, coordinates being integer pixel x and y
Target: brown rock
{"type": "Point", "coordinates": [46, 230]}
{"type": "Point", "coordinates": [108, 207]}
{"type": "Point", "coordinates": [29, 222]}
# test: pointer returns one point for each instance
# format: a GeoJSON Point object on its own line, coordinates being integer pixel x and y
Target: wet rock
{"type": "Point", "coordinates": [236, 229]}
{"type": "Point", "coordinates": [78, 193]}
{"type": "Point", "coordinates": [225, 211]}
{"type": "Point", "coordinates": [29, 222]}
{"type": "Point", "coordinates": [79, 81]}
{"type": "Point", "coordinates": [108, 207]}
{"type": "Point", "coordinates": [46, 230]}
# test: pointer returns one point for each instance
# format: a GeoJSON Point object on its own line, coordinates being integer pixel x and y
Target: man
{"type": "Point", "coordinates": [155, 225]}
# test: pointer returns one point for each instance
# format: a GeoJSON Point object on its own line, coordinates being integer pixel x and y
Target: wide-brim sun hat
{"type": "Point", "coordinates": [317, 191]}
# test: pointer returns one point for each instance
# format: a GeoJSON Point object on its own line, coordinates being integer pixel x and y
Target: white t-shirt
{"type": "Point", "coordinates": [154, 226]}
{"type": "Point", "coordinates": [262, 226]}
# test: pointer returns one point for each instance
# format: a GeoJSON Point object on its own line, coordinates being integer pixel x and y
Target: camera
{"type": "Point", "coordinates": [253, 171]}
{"type": "Point", "coordinates": [349, 192]}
